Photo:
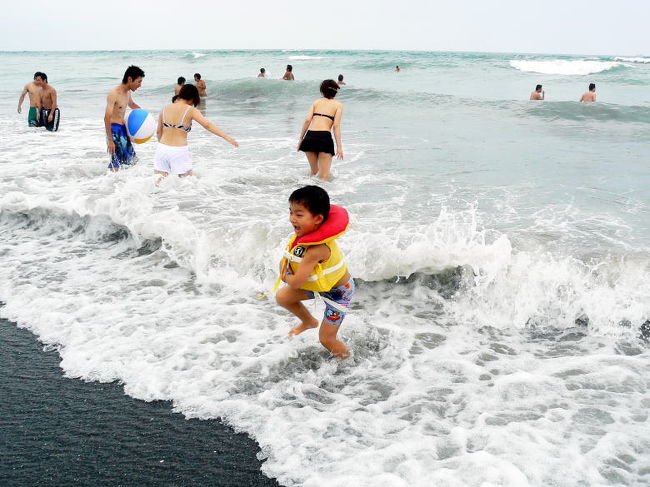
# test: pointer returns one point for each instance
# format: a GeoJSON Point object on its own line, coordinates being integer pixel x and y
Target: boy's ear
{"type": "Point", "coordinates": [319, 219]}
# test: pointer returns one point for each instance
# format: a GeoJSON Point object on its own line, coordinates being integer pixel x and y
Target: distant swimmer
{"type": "Point", "coordinates": [397, 69]}
{"type": "Point", "coordinates": [316, 135]}
{"type": "Point", "coordinates": [174, 125]}
{"type": "Point", "coordinates": [179, 84]}
{"type": "Point", "coordinates": [34, 88]}
{"type": "Point", "coordinates": [50, 114]}
{"type": "Point", "coordinates": [288, 74]}
{"type": "Point", "coordinates": [262, 73]}
{"type": "Point", "coordinates": [200, 85]}
{"type": "Point", "coordinates": [538, 94]}
{"type": "Point", "coordinates": [340, 81]}
{"type": "Point", "coordinates": [118, 143]}
{"type": "Point", "coordinates": [589, 95]}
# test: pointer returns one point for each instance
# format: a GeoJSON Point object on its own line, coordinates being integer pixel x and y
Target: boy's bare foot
{"type": "Point", "coordinates": [305, 325]}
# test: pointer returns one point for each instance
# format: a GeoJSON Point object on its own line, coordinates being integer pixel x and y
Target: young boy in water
{"type": "Point", "coordinates": [314, 264]}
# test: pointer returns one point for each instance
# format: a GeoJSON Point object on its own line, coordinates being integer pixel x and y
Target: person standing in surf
{"type": "Point", "coordinates": [179, 84]}
{"type": "Point", "coordinates": [589, 95]}
{"type": "Point", "coordinates": [538, 94]}
{"type": "Point", "coordinates": [174, 124]}
{"type": "Point", "coordinates": [200, 85]}
{"type": "Point", "coordinates": [34, 90]}
{"type": "Point", "coordinates": [50, 114]}
{"type": "Point", "coordinates": [288, 74]}
{"type": "Point", "coordinates": [315, 139]}
{"type": "Point", "coordinates": [118, 142]}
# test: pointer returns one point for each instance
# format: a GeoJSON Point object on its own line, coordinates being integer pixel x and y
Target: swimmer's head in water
{"type": "Point", "coordinates": [289, 67]}
{"type": "Point", "coordinates": [189, 93]}
{"type": "Point", "coordinates": [181, 80]}
{"type": "Point", "coordinates": [592, 86]}
{"type": "Point", "coordinates": [538, 88]}
{"type": "Point", "coordinates": [314, 198]}
{"type": "Point", "coordinates": [340, 77]}
{"type": "Point", "coordinates": [329, 88]}
{"type": "Point", "coordinates": [262, 70]}
{"type": "Point", "coordinates": [197, 76]}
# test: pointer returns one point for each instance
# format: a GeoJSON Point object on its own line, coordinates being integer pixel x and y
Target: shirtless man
{"type": "Point", "coordinates": [288, 75]}
{"type": "Point", "coordinates": [262, 73]}
{"type": "Point", "coordinates": [118, 144]}
{"type": "Point", "coordinates": [179, 84]}
{"type": "Point", "coordinates": [50, 115]}
{"type": "Point", "coordinates": [34, 90]}
{"type": "Point", "coordinates": [591, 94]}
{"type": "Point", "coordinates": [538, 94]}
{"type": "Point", "coordinates": [200, 85]}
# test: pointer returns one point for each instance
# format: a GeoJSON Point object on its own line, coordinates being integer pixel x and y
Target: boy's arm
{"type": "Point", "coordinates": [313, 256]}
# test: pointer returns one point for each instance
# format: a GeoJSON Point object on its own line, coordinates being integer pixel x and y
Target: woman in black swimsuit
{"type": "Point", "coordinates": [316, 135]}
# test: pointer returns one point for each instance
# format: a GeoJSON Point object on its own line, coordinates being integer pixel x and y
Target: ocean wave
{"type": "Point", "coordinates": [304, 57]}
{"type": "Point", "coordinates": [565, 66]}
{"type": "Point", "coordinates": [494, 283]}
{"type": "Point", "coordinates": [641, 60]}
{"type": "Point", "coordinates": [567, 110]}
{"type": "Point", "coordinates": [431, 329]}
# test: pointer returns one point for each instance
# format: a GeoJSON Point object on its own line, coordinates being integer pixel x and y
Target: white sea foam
{"type": "Point", "coordinates": [197, 55]}
{"type": "Point", "coordinates": [642, 60]}
{"type": "Point", "coordinates": [564, 66]}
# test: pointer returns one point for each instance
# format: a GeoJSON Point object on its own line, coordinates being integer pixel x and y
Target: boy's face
{"type": "Point", "coordinates": [303, 220]}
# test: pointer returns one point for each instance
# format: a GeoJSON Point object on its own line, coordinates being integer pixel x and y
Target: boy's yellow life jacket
{"type": "Point", "coordinates": [327, 273]}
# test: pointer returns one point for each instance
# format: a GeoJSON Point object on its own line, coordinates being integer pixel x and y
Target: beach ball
{"type": "Point", "coordinates": [140, 125]}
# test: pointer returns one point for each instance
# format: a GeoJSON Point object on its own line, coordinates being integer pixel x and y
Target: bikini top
{"type": "Point", "coordinates": [187, 128]}
{"type": "Point", "coordinates": [323, 115]}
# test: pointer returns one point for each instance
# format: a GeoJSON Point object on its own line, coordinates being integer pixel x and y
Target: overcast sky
{"type": "Point", "coordinates": [554, 26]}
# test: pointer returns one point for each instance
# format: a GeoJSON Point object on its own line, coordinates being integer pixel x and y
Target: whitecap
{"type": "Point", "coordinates": [564, 66]}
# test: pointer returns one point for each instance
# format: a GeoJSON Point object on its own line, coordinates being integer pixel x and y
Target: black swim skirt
{"type": "Point", "coordinates": [317, 141]}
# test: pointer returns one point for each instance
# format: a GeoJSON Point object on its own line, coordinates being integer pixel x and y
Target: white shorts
{"type": "Point", "coordinates": [174, 159]}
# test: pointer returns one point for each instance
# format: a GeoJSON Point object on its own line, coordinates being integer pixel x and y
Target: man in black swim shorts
{"type": "Point", "coordinates": [50, 114]}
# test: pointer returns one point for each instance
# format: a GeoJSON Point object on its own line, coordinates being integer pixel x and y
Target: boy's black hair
{"type": "Point", "coordinates": [197, 76]}
{"type": "Point", "coordinates": [289, 67]}
{"type": "Point", "coordinates": [262, 70]}
{"type": "Point", "coordinates": [180, 80]}
{"type": "Point", "coordinates": [329, 88]}
{"type": "Point", "coordinates": [132, 72]}
{"type": "Point", "coordinates": [538, 87]}
{"type": "Point", "coordinates": [340, 77]}
{"type": "Point", "coordinates": [592, 86]}
{"type": "Point", "coordinates": [38, 74]}
{"type": "Point", "coordinates": [188, 92]}
{"type": "Point", "coordinates": [314, 198]}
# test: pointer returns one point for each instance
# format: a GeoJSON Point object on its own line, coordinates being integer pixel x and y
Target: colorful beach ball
{"type": "Point", "coordinates": [141, 125]}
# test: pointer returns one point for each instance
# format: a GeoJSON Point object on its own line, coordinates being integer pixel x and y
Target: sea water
{"type": "Point", "coordinates": [501, 249]}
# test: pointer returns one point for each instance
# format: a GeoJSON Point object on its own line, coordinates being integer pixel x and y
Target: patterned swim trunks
{"type": "Point", "coordinates": [336, 300]}
{"type": "Point", "coordinates": [124, 153]}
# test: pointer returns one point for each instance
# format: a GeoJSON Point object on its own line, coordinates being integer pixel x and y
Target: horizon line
{"type": "Point", "coordinates": [318, 50]}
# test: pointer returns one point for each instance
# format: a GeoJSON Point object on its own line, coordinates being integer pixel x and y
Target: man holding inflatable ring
{"type": "Point", "coordinates": [118, 143]}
